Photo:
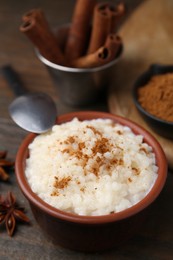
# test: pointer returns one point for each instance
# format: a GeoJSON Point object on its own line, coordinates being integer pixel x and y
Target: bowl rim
{"type": "Point", "coordinates": [103, 219]}
{"type": "Point", "coordinates": [79, 70]}
{"type": "Point", "coordinates": [150, 72]}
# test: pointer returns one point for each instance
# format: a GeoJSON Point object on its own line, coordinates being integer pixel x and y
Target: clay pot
{"type": "Point", "coordinates": [91, 233]}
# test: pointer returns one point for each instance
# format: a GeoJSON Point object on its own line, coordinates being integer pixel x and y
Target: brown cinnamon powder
{"type": "Point", "coordinates": [101, 146]}
{"type": "Point", "coordinates": [156, 97]}
{"type": "Point", "coordinates": [61, 183]}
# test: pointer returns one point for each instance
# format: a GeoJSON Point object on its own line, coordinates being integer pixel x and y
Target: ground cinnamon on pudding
{"type": "Point", "coordinates": [156, 97]}
{"type": "Point", "coordinates": [61, 183]}
{"type": "Point", "coordinates": [101, 146]}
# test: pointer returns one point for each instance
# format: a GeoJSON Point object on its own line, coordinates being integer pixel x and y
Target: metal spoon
{"type": "Point", "coordinates": [33, 112]}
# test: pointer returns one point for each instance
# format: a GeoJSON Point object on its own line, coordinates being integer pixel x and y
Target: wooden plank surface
{"type": "Point", "coordinates": [148, 39]}
{"type": "Point", "coordinates": [153, 241]}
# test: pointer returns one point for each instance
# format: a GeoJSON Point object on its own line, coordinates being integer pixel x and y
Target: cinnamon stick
{"type": "Point", "coordinates": [113, 44]}
{"type": "Point", "coordinates": [115, 13]}
{"type": "Point", "coordinates": [37, 14]}
{"type": "Point", "coordinates": [79, 31]}
{"type": "Point", "coordinates": [103, 55]}
{"type": "Point", "coordinates": [92, 60]}
{"type": "Point", "coordinates": [43, 39]}
{"type": "Point", "coordinates": [106, 17]}
{"type": "Point", "coordinates": [101, 27]}
{"type": "Point", "coordinates": [61, 34]}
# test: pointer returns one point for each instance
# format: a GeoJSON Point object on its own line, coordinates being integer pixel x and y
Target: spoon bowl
{"type": "Point", "coordinates": [34, 112]}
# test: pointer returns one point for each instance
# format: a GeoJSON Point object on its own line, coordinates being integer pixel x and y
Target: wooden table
{"type": "Point", "coordinates": [154, 240]}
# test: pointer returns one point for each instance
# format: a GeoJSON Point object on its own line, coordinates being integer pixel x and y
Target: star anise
{"type": "Point", "coordinates": [4, 163]}
{"type": "Point", "coordinates": [10, 213]}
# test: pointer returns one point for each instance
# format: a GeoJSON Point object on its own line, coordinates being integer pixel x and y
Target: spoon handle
{"type": "Point", "coordinates": [13, 80]}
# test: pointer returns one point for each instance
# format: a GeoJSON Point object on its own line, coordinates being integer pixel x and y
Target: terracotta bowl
{"type": "Point", "coordinates": [90, 233]}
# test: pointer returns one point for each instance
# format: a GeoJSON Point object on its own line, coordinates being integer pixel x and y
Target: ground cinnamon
{"type": "Point", "coordinates": [156, 97]}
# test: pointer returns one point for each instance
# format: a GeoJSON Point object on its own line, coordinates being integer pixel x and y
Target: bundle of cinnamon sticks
{"type": "Point", "coordinates": [91, 41]}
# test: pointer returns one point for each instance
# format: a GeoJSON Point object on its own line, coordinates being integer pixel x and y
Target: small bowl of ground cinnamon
{"type": "Point", "coordinates": [153, 97]}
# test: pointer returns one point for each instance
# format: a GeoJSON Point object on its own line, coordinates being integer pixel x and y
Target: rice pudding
{"type": "Point", "coordinates": [92, 167]}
